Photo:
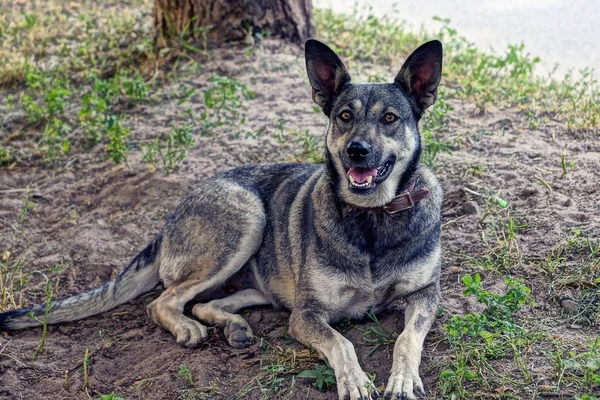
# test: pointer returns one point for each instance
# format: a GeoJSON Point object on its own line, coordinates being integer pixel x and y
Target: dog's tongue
{"type": "Point", "coordinates": [360, 175]}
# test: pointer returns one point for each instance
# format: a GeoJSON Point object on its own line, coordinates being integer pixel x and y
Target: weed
{"type": "Point", "coordinates": [224, 105]}
{"type": "Point", "coordinates": [500, 240]}
{"type": "Point", "coordinates": [377, 336]}
{"type": "Point", "coordinates": [578, 369]}
{"type": "Point", "coordinates": [135, 87]}
{"type": "Point", "coordinates": [563, 163]}
{"type": "Point", "coordinates": [323, 375]}
{"type": "Point", "coordinates": [110, 396]}
{"type": "Point", "coordinates": [169, 150]}
{"type": "Point", "coordinates": [311, 146]}
{"type": "Point", "coordinates": [276, 365]}
{"type": "Point", "coordinates": [116, 147]}
{"type": "Point", "coordinates": [5, 157]}
{"type": "Point", "coordinates": [476, 338]}
{"type": "Point", "coordinates": [185, 372]}
{"type": "Point", "coordinates": [12, 276]}
{"type": "Point", "coordinates": [574, 271]}
{"type": "Point", "coordinates": [85, 363]}
{"type": "Point", "coordinates": [433, 122]}
{"type": "Point", "coordinates": [47, 306]}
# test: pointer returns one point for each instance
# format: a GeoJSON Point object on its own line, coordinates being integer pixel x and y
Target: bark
{"type": "Point", "coordinates": [215, 22]}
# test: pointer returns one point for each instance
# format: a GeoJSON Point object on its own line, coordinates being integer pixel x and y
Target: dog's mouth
{"type": "Point", "coordinates": [361, 178]}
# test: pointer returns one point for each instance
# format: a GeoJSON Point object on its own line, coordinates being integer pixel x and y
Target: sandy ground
{"type": "Point", "coordinates": [91, 217]}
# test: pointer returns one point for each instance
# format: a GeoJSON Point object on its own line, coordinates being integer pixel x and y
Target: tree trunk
{"type": "Point", "coordinates": [220, 21]}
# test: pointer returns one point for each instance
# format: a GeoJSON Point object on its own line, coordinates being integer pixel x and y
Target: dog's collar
{"type": "Point", "coordinates": [404, 201]}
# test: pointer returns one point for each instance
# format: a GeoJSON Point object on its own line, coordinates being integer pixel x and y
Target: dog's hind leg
{"type": "Point", "coordinates": [210, 237]}
{"type": "Point", "coordinates": [221, 312]}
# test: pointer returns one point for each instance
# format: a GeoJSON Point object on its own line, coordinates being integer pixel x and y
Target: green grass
{"type": "Point", "coordinates": [573, 268]}
{"type": "Point", "coordinates": [478, 338]}
{"type": "Point", "coordinates": [13, 277]}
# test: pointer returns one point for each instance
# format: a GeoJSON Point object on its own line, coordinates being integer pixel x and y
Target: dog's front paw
{"type": "Point", "coordinates": [354, 384]}
{"type": "Point", "coordinates": [404, 384]}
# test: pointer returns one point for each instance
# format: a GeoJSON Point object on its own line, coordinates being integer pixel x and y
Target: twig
{"type": "Point", "coordinates": [454, 220]}
{"type": "Point", "coordinates": [16, 190]}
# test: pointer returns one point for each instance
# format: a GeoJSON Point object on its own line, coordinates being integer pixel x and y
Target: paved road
{"type": "Point", "coordinates": [563, 32]}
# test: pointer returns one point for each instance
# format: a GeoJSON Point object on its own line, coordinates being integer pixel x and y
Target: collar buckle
{"type": "Point", "coordinates": [404, 200]}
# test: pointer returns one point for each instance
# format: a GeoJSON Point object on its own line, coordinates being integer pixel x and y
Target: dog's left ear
{"type": "Point", "coordinates": [326, 73]}
{"type": "Point", "coordinates": [420, 75]}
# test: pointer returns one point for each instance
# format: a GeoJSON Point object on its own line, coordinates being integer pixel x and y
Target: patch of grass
{"type": "Point", "coordinates": [499, 237]}
{"type": "Point", "coordinates": [477, 339]}
{"type": "Point", "coordinates": [12, 276]}
{"type": "Point", "coordinates": [224, 103]}
{"type": "Point", "coordinates": [377, 336]}
{"type": "Point", "coordinates": [574, 275]}
{"type": "Point", "coordinates": [110, 396]}
{"type": "Point", "coordinates": [278, 370]}
{"type": "Point", "coordinates": [47, 306]}
{"type": "Point", "coordinates": [323, 375]}
{"type": "Point", "coordinates": [70, 40]}
{"type": "Point", "coordinates": [168, 151]}
{"type": "Point", "coordinates": [577, 370]}
{"type": "Point", "coordinates": [311, 146]}
{"type": "Point", "coordinates": [186, 373]}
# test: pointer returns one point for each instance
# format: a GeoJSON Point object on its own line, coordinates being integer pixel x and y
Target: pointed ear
{"type": "Point", "coordinates": [326, 73]}
{"type": "Point", "coordinates": [420, 75]}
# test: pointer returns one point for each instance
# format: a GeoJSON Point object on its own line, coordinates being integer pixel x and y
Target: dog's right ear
{"type": "Point", "coordinates": [326, 73]}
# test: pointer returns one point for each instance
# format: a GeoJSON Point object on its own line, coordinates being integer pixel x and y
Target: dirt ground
{"type": "Point", "coordinates": [91, 217]}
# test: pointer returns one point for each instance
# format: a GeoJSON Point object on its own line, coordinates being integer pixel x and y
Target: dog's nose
{"type": "Point", "coordinates": [358, 150]}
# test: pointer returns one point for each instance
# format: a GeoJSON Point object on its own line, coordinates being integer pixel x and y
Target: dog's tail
{"type": "Point", "coordinates": [140, 276]}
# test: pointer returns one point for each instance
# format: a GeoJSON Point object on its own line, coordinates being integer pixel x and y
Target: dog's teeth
{"type": "Point", "coordinates": [351, 179]}
{"type": "Point", "coordinates": [369, 180]}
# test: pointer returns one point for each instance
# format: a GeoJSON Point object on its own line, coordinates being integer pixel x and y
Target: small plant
{"type": "Point", "coordinates": [185, 372]}
{"type": "Point", "coordinates": [323, 375]}
{"type": "Point", "coordinates": [494, 333]}
{"type": "Point", "coordinates": [169, 150]}
{"type": "Point", "coordinates": [377, 336]}
{"type": "Point", "coordinates": [224, 105]}
{"type": "Point", "coordinates": [47, 307]}
{"type": "Point", "coordinates": [85, 363]}
{"type": "Point", "coordinates": [581, 369]}
{"type": "Point", "coordinates": [110, 396]}
{"type": "Point", "coordinates": [135, 87]}
{"type": "Point", "coordinates": [500, 240]}
{"type": "Point", "coordinates": [433, 122]}
{"type": "Point", "coordinates": [5, 157]}
{"type": "Point", "coordinates": [310, 147]}
{"type": "Point", "coordinates": [117, 146]}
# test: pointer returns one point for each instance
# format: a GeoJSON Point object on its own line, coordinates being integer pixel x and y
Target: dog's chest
{"type": "Point", "coordinates": [351, 296]}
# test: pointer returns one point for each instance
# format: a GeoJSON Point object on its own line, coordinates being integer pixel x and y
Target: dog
{"type": "Point", "coordinates": [325, 241]}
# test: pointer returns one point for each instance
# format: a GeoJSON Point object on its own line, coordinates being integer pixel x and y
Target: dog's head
{"type": "Point", "coordinates": [373, 142]}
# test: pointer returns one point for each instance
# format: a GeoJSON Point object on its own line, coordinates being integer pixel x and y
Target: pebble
{"type": "Point", "coordinates": [529, 191]}
{"type": "Point", "coordinates": [470, 207]}
{"type": "Point", "coordinates": [569, 305]}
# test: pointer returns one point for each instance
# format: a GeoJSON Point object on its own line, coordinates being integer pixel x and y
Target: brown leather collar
{"type": "Point", "coordinates": [404, 201]}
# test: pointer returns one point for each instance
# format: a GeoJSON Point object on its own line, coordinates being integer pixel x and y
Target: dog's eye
{"type": "Point", "coordinates": [346, 116]}
{"type": "Point", "coordinates": [389, 117]}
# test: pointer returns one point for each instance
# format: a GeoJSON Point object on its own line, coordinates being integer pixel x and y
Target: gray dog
{"type": "Point", "coordinates": [324, 241]}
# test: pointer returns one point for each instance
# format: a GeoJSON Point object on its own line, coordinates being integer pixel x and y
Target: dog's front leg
{"type": "Point", "coordinates": [312, 329]}
{"type": "Point", "coordinates": [419, 316]}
